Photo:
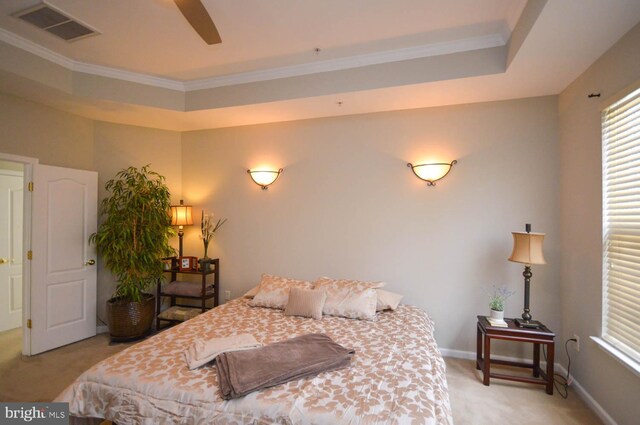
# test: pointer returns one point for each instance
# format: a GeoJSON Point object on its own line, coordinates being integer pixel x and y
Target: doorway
{"type": "Point", "coordinates": [54, 278]}
{"type": "Point", "coordinates": [11, 231]}
{"type": "Point", "coordinates": [14, 243]}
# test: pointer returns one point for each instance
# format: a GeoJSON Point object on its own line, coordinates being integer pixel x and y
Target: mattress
{"type": "Point", "coordinates": [397, 375]}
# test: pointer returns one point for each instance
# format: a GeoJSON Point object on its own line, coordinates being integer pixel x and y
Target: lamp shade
{"type": "Point", "coordinates": [264, 178]}
{"type": "Point", "coordinates": [527, 248]}
{"type": "Point", "coordinates": [432, 172]}
{"type": "Point", "coordinates": [181, 215]}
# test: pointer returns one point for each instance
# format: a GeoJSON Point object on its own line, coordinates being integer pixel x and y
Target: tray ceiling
{"type": "Point", "coordinates": [148, 67]}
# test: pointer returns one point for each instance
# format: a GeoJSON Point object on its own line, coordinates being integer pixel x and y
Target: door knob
{"type": "Point", "coordinates": [90, 262]}
{"type": "Point", "coordinates": [3, 260]}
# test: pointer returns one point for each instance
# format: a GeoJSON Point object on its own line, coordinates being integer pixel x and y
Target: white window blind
{"type": "Point", "coordinates": [621, 224]}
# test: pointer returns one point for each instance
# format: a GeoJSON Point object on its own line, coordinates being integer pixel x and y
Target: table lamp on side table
{"type": "Point", "coordinates": [181, 216]}
{"type": "Point", "coordinates": [527, 249]}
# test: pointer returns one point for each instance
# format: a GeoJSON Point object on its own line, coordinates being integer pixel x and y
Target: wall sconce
{"type": "Point", "coordinates": [264, 178]}
{"type": "Point", "coordinates": [181, 216]}
{"type": "Point", "coordinates": [431, 172]}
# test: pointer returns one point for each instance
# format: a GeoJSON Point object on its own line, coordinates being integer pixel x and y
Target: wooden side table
{"type": "Point", "coordinates": [543, 335]}
{"type": "Point", "coordinates": [202, 291]}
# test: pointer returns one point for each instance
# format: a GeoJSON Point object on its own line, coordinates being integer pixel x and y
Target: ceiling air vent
{"type": "Point", "coordinates": [55, 22]}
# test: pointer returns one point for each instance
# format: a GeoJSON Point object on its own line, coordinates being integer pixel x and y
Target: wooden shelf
{"type": "Point", "coordinates": [179, 313]}
{"type": "Point", "coordinates": [206, 272]}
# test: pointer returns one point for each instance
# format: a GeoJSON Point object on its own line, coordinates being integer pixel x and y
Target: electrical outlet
{"type": "Point", "coordinates": [577, 338]}
{"type": "Point", "coordinates": [227, 295]}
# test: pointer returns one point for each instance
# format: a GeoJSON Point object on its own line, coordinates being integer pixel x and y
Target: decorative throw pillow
{"type": "Point", "coordinates": [387, 300]}
{"type": "Point", "coordinates": [305, 303]}
{"type": "Point", "coordinates": [274, 291]}
{"type": "Point", "coordinates": [352, 299]}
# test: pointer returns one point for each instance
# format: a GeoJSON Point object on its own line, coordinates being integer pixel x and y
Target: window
{"type": "Point", "coordinates": [621, 225]}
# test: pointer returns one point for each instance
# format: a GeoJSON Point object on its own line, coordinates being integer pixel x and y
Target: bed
{"type": "Point", "coordinates": [397, 375]}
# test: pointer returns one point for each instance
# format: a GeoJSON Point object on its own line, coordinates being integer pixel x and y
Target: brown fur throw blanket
{"type": "Point", "coordinates": [242, 372]}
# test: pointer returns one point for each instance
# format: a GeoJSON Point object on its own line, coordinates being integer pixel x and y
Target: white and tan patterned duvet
{"type": "Point", "coordinates": [397, 375]}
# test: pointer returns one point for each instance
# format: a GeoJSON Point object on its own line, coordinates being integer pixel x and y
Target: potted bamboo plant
{"type": "Point", "coordinates": [132, 240]}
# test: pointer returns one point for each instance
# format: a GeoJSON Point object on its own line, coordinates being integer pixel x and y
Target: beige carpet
{"type": "Point", "coordinates": [508, 402]}
{"type": "Point", "coordinates": [42, 377]}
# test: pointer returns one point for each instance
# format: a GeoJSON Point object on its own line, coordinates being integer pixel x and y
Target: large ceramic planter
{"type": "Point", "coordinates": [129, 320]}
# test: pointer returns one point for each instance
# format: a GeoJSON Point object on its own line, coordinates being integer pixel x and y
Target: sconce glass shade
{"type": "Point", "coordinates": [432, 172]}
{"type": "Point", "coordinates": [264, 178]}
{"type": "Point", "coordinates": [181, 215]}
{"type": "Point", "coordinates": [527, 248]}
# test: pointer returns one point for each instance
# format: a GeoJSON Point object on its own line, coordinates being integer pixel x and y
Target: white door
{"type": "Point", "coordinates": [63, 271]}
{"type": "Point", "coordinates": [11, 184]}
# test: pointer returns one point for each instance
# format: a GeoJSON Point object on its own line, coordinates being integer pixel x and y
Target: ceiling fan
{"type": "Point", "coordinates": [197, 15]}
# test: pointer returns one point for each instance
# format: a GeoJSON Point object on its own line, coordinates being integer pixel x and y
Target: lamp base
{"type": "Point", "coordinates": [531, 324]}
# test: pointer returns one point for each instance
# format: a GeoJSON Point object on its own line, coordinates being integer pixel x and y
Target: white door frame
{"type": "Point", "coordinates": [28, 163]}
{"type": "Point", "coordinates": [4, 173]}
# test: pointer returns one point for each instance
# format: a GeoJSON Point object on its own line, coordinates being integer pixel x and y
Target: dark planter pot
{"type": "Point", "coordinates": [205, 263]}
{"type": "Point", "coordinates": [130, 320]}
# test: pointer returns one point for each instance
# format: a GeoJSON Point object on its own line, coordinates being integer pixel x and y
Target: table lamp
{"type": "Point", "coordinates": [527, 249]}
{"type": "Point", "coordinates": [181, 216]}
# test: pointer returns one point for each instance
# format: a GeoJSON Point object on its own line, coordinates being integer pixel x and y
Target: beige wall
{"type": "Point", "coordinates": [613, 386]}
{"type": "Point", "coordinates": [66, 140]}
{"type": "Point", "coordinates": [11, 166]}
{"type": "Point", "coordinates": [347, 206]}
{"type": "Point", "coordinates": [54, 137]}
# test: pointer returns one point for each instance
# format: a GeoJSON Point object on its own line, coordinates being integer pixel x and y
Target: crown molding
{"type": "Point", "coordinates": [134, 77]}
{"type": "Point", "coordinates": [31, 47]}
{"type": "Point", "coordinates": [416, 52]}
{"type": "Point", "coordinates": [77, 66]}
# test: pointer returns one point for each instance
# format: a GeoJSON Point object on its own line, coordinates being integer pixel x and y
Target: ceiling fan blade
{"type": "Point", "coordinates": [199, 19]}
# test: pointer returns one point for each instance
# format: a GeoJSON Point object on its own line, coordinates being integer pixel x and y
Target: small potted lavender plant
{"type": "Point", "coordinates": [497, 301]}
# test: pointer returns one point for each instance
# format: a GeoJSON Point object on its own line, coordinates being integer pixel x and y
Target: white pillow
{"type": "Point", "coordinates": [305, 303]}
{"type": "Point", "coordinates": [387, 300]}
{"type": "Point", "coordinates": [352, 299]}
{"type": "Point", "coordinates": [274, 291]}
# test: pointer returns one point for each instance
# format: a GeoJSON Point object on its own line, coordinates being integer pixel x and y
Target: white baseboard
{"type": "Point", "coordinates": [458, 354]}
{"type": "Point", "coordinates": [469, 355]}
{"type": "Point", "coordinates": [580, 390]}
{"type": "Point", "coordinates": [584, 395]}
{"type": "Point", "coordinates": [101, 329]}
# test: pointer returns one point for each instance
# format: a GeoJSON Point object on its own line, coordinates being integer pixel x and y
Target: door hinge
{"type": "Point", "coordinates": [30, 186]}
{"type": "Point", "coordinates": [29, 323]}
{"type": "Point", "coordinates": [29, 255]}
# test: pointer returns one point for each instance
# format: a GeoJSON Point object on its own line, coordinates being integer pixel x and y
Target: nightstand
{"type": "Point", "coordinates": [540, 336]}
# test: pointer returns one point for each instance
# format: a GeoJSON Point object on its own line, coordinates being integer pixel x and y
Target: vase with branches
{"type": "Point", "coordinates": [208, 228]}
